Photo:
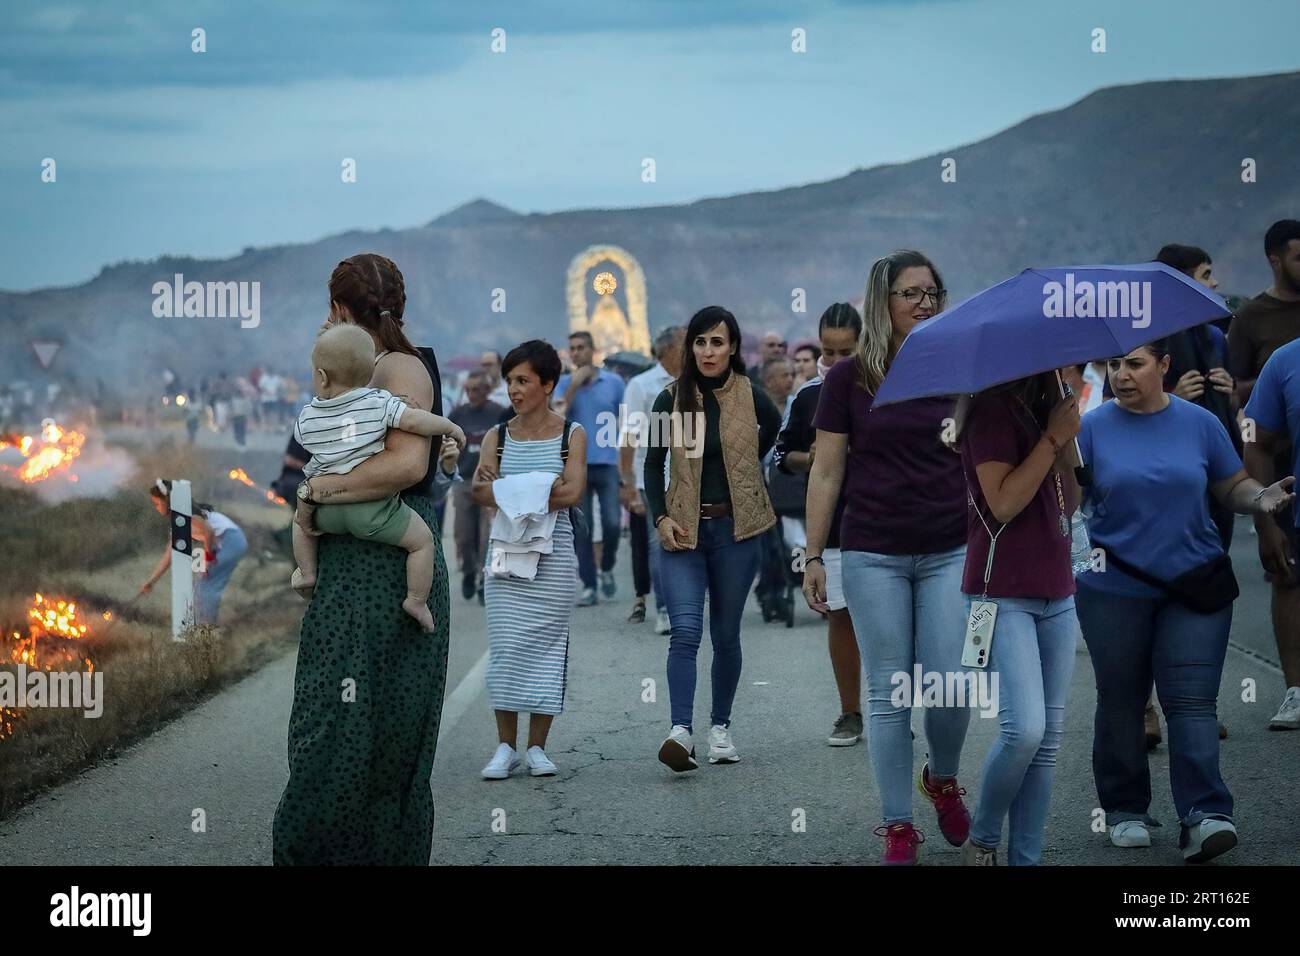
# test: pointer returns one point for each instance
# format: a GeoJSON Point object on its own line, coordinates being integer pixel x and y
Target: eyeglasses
{"type": "Point", "coordinates": [916, 296]}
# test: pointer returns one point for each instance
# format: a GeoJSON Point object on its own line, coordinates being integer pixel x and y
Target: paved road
{"type": "Point", "coordinates": [612, 802]}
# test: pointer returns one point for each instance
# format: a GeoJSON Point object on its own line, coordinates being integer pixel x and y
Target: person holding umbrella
{"type": "Point", "coordinates": [1016, 428]}
{"type": "Point", "coordinates": [1158, 462]}
{"type": "Point", "coordinates": [1015, 443]}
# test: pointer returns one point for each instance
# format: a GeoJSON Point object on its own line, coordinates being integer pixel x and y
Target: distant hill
{"type": "Point", "coordinates": [1109, 178]}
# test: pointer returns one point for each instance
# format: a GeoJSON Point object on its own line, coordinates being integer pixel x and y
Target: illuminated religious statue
{"type": "Point", "coordinates": [611, 328]}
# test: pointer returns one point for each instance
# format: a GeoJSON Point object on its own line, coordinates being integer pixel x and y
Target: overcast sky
{"type": "Point", "coordinates": [163, 150]}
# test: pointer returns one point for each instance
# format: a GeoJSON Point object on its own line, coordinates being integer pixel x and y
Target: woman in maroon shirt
{"type": "Point", "coordinates": [1017, 451]}
{"type": "Point", "coordinates": [902, 543]}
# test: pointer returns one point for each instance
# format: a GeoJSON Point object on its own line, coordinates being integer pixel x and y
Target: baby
{"type": "Point", "coordinates": [343, 426]}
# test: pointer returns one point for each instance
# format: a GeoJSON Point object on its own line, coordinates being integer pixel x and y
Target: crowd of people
{"type": "Point", "coordinates": [909, 527]}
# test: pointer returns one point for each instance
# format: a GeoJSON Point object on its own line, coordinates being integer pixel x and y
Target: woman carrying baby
{"type": "Point", "coordinates": [369, 683]}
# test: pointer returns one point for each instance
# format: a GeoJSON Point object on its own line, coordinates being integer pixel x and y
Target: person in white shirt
{"type": "Point", "coordinates": [638, 399]}
{"type": "Point", "coordinates": [342, 427]}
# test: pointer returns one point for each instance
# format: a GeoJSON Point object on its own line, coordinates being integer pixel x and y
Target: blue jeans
{"type": "Point", "coordinates": [209, 586]}
{"type": "Point", "coordinates": [1132, 640]}
{"type": "Point", "coordinates": [1033, 655]}
{"type": "Point", "coordinates": [907, 609]}
{"type": "Point", "coordinates": [602, 482]}
{"type": "Point", "coordinates": [725, 568]}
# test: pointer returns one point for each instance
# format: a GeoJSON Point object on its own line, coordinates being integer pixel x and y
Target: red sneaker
{"type": "Point", "coordinates": [954, 819]}
{"type": "Point", "coordinates": [901, 841]}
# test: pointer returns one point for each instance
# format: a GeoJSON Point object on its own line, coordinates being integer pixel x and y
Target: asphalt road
{"type": "Point", "coordinates": [612, 802]}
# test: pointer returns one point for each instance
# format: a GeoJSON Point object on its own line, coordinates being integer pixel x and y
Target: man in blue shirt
{"type": "Point", "coordinates": [1274, 413]}
{"type": "Point", "coordinates": [591, 396]}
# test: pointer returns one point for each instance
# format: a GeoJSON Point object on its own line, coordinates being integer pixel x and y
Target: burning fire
{"type": "Point", "coordinates": [51, 453]}
{"type": "Point", "coordinates": [241, 476]}
{"type": "Point", "coordinates": [49, 621]}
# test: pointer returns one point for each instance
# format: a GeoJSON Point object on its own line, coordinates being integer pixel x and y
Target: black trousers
{"type": "Point", "coordinates": [640, 528]}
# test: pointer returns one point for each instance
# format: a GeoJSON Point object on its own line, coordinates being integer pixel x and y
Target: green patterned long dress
{"type": "Point", "coordinates": [359, 769]}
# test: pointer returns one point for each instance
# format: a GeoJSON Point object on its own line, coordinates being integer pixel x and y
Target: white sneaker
{"type": "Point", "coordinates": [502, 762]}
{"type": "Point", "coordinates": [662, 624]}
{"type": "Point", "coordinates": [677, 752]}
{"type": "Point", "coordinates": [721, 749]}
{"type": "Point", "coordinates": [1130, 833]}
{"type": "Point", "coordinates": [1288, 715]}
{"type": "Point", "coordinates": [539, 765]}
{"type": "Point", "coordinates": [1208, 839]}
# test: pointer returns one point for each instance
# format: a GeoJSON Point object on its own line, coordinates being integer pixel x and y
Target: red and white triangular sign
{"type": "Point", "coordinates": [45, 352]}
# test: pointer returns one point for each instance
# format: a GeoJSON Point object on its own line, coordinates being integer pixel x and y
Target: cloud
{"type": "Point", "coordinates": [95, 45]}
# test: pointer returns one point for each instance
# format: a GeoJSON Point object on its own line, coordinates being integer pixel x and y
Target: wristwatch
{"type": "Point", "coordinates": [304, 492]}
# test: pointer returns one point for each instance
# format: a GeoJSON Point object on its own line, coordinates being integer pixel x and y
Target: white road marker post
{"type": "Point", "coordinates": [182, 570]}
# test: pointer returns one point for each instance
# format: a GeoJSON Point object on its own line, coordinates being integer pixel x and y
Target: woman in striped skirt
{"type": "Point", "coordinates": [528, 621]}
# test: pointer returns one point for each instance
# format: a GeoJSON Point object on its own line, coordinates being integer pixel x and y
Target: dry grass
{"type": "Point", "coordinates": [96, 552]}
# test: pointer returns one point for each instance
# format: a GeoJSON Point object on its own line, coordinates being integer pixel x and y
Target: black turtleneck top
{"type": "Point", "coordinates": [713, 472]}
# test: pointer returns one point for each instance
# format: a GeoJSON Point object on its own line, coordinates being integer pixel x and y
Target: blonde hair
{"type": "Point", "coordinates": [872, 358]}
{"type": "Point", "coordinates": [347, 354]}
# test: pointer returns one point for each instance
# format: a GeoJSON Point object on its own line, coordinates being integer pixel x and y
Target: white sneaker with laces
{"type": "Point", "coordinates": [1288, 715]}
{"type": "Point", "coordinates": [677, 752]}
{"type": "Point", "coordinates": [502, 762]}
{"type": "Point", "coordinates": [721, 749]}
{"type": "Point", "coordinates": [662, 624]}
{"type": "Point", "coordinates": [1130, 833]}
{"type": "Point", "coordinates": [539, 765]}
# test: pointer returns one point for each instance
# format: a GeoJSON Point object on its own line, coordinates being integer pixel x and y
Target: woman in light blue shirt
{"type": "Point", "coordinates": [1156, 601]}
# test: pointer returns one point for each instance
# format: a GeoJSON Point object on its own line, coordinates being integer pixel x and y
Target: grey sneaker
{"type": "Point", "coordinates": [847, 732]}
{"type": "Point", "coordinates": [587, 598]}
{"type": "Point", "coordinates": [608, 586]}
{"type": "Point", "coordinates": [1288, 715]}
{"type": "Point", "coordinates": [974, 854]}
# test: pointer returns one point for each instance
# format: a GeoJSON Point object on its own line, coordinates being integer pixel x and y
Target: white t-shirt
{"type": "Point", "coordinates": [639, 397]}
{"type": "Point", "coordinates": [343, 431]}
{"type": "Point", "coordinates": [219, 523]}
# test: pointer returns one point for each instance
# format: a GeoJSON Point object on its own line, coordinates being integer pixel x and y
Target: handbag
{"type": "Point", "coordinates": [788, 492]}
{"type": "Point", "coordinates": [1206, 589]}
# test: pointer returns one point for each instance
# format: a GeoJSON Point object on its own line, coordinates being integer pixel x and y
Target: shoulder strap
{"type": "Point", "coordinates": [564, 440]}
{"type": "Point", "coordinates": [1138, 573]}
{"type": "Point", "coordinates": [501, 443]}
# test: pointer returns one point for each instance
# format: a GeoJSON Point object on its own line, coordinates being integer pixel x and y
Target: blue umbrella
{"type": "Point", "coordinates": [1044, 319]}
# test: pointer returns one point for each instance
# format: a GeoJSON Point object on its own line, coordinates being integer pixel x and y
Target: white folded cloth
{"type": "Point", "coordinates": [522, 528]}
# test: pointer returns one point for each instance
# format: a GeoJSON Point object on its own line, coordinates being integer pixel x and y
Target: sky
{"type": "Point", "coordinates": [162, 150]}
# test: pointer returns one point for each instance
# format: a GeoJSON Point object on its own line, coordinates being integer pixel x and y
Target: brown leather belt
{"type": "Point", "coordinates": [720, 510]}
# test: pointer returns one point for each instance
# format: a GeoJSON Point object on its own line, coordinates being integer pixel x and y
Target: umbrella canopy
{"type": "Point", "coordinates": [1044, 319]}
{"type": "Point", "coordinates": [629, 359]}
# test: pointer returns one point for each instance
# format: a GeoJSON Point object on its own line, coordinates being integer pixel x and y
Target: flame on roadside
{"type": "Point", "coordinates": [52, 624]}
{"type": "Point", "coordinates": [51, 453]}
{"type": "Point", "coordinates": [241, 476]}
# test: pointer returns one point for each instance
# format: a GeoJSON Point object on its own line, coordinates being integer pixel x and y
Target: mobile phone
{"type": "Point", "coordinates": [979, 634]}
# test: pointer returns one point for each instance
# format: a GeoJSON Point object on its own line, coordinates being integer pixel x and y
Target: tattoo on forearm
{"type": "Point", "coordinates": [409, 401]}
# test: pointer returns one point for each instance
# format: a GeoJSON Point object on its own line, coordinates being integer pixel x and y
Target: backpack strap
{"type": "Point", "coordinates": [564, 441]}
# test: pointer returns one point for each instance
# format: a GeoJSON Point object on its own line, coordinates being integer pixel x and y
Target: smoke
{"type": "Point", "coordinates": [98, 471]}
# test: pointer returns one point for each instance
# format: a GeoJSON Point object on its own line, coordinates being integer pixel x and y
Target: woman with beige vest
{"type": "Point", "coordinates": [710, 521]}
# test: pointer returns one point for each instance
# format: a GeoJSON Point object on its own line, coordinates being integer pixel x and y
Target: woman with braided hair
{"type": "Point", "coordinates": [369, 682]}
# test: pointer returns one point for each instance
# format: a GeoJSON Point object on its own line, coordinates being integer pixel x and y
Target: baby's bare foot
{"type": "Point", "coordinates": [420, 611]}
{"type": "Point", "coordinates": [304, 585]}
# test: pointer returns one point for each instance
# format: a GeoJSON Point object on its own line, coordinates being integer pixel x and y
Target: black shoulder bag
{"type": "Point", "coordinates": [576, 517]}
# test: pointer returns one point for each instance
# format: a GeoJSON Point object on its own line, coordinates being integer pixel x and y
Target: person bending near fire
{"type": "Point", "coordinates": [343, 426]}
